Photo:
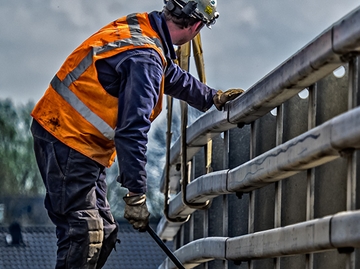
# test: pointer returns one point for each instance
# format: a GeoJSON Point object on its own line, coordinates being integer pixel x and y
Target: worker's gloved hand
{"type": "Point", "coordinates": [136, 211]}
{"type": "Point", "coordinates": [220, 98]}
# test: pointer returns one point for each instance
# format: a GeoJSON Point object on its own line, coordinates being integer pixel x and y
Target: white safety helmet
{"type": "Point", "coordinates": [204, 10]}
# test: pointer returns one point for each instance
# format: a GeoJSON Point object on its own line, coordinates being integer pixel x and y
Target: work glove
{"type": "Point", "coordinates": [136, 211]}
{"type": "Point", "coordinates": [220, 98]}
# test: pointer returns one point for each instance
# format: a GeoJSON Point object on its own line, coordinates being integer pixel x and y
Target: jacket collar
{"type": "Point", "coordinates": [158, 23]}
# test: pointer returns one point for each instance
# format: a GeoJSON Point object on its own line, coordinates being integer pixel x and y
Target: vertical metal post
{"type": "Point", "coordinates": [191, 228]}
{"type": "Point", "coordinates": [184, 55]}
{"type": "Point", "coordinates": [226, 150]}
{"type": "Point", "coordinates": [252, 195]}
{"type": "Point", "coordinates": [206, 229]}
{"type": "Point", "coordinates": [278, 184]}
{"type": "Point", "coordinates": [182, 236]}
{"type": "Point", "coordinates": [208, 169]}
{"type": "Point", "coordinates": [225, 202]}
{"type": "Point", "coordinates": [351, 197]}
{"type": "Point", "coordinates": [352, 158]}
{"type": "Point", "coordinates": [310, 188]}
{"type": "Point", "coordinates": [352, 103]}
{"type": "Point", "coordinates": [208, 157]}
{"type": "Point", "coordinates": [191, 221]}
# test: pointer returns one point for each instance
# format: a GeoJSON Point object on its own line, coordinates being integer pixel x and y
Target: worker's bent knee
{"type": "Point", "coordinates": [109, 243]}
{"type": "Point", "coordinates": [86, 236]}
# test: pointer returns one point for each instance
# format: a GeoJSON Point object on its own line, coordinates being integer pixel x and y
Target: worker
{"type": "Point", "coordinates": [100, 105]}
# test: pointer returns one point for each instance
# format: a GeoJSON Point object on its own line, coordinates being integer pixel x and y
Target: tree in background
{"type": "Point", "coordinates": [18, 170]}
{"type": "Point", "coordinates": [19, 175]}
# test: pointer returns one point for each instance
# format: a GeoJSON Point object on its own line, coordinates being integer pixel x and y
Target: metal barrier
{"type": "Point", "coordinates": [282, 189]}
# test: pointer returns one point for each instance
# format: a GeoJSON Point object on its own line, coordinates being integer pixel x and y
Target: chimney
{"type": "Point", "coordinates": [15, 236]}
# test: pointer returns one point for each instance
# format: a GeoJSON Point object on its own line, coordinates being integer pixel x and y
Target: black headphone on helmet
{"type": "Point", "coordinates": [183, 10]}
{"type": "Point", "coordinates": [180, 8]}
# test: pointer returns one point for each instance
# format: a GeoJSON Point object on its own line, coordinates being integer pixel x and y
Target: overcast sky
{"type": "Point", "coordinates": [250, 39]}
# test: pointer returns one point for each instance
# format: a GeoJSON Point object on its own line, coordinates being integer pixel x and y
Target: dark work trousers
{"type": "Point", "coordinates": [76, 203]}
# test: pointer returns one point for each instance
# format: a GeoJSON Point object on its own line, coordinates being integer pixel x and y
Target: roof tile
{"type": "Point", "coordinates": [136, 250]}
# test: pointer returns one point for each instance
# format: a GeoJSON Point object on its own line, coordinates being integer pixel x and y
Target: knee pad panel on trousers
{"type": "Point", "coordinates": [86, 236]}
{"type": "Point", "coordinates": [110, 239]}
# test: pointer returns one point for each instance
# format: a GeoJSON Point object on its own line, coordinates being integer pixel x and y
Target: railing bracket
{"type": "Point", "coordinates": [240, 125]}
{"type": "Point", "coordinates": [239, 195]}
{"type": "Point", "coordinates": [346, 250]}
{"type": "Point", "coordinates": [238, 263]}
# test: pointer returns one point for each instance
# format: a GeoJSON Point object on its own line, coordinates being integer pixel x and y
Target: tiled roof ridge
{"type": "Point", "coordinates": [31, 229]}
{"type": "Point", "coordinates": [38, 249]}
{"type": "Point", "coordinates": [123, 227]}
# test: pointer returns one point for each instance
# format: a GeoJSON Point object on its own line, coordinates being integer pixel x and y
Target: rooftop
{"type": "Point", "coordinates": [37, 249]}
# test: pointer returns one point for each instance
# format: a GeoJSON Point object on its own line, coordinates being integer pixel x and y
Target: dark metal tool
{"type": "Point", "coordinates": [164, 247]}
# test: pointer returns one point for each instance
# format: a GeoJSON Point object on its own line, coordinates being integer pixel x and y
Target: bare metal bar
{"type": "Point", "coordinates": [316, 60]}
{"type": "Point", "coordinates": [225, 200]}
{"type": "Point", "coordinates": [353, 70]}
{"type": "Point", "coordinates": [335, 46]}
{"type": "Point", "coordinates": [252, 195]}
{"type": "Point", "coordinates": [311, 173]}
{"type": "Point", "coordinates": [278, 185]}
{"type": "Point", "coordinates": [339, 230]}
{"type": "Point", "coordinates": [313, 148]}
{"type": "Point", "coordinates": [310, 188]}
{"type": "Point", "coordinates": [331, 232]}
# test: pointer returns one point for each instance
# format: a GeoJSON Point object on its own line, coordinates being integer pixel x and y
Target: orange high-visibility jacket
{"type": "Point", "coordinates": [75, 108]}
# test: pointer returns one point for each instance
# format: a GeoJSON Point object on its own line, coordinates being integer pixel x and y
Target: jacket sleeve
{"type": "Point", "coordinates": [141, 75]}
{"type": "Point", "coordinates": [182, 85]}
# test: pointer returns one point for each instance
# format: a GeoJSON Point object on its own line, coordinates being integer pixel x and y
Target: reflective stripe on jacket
{"type": "Point", "coordinates": [75, 108]}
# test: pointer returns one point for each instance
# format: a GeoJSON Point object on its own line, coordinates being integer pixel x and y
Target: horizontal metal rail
{"type": "Point", "coordinates": [336, 46]}
{"type": "Point", "coordinates": [313, 148]}
{"type": "Point", "coordinates": [331, 49]}
{"type": "Point", "coordinates": [339, 231]}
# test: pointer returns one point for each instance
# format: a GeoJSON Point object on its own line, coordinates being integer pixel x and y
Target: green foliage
{"type": "Point", "coordinates": [19, 173]}
{"type": "Point", "coordinates": [18, 170]}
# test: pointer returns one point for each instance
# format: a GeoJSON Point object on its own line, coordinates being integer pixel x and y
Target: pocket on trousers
{"type": "Point", "coordinates": [56, 182]}
{"type": "Point", "coordinates": [86, 236]}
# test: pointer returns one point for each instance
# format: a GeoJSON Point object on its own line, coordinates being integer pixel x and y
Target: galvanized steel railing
{"type": "Point", "coordinates": [296, 172]}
